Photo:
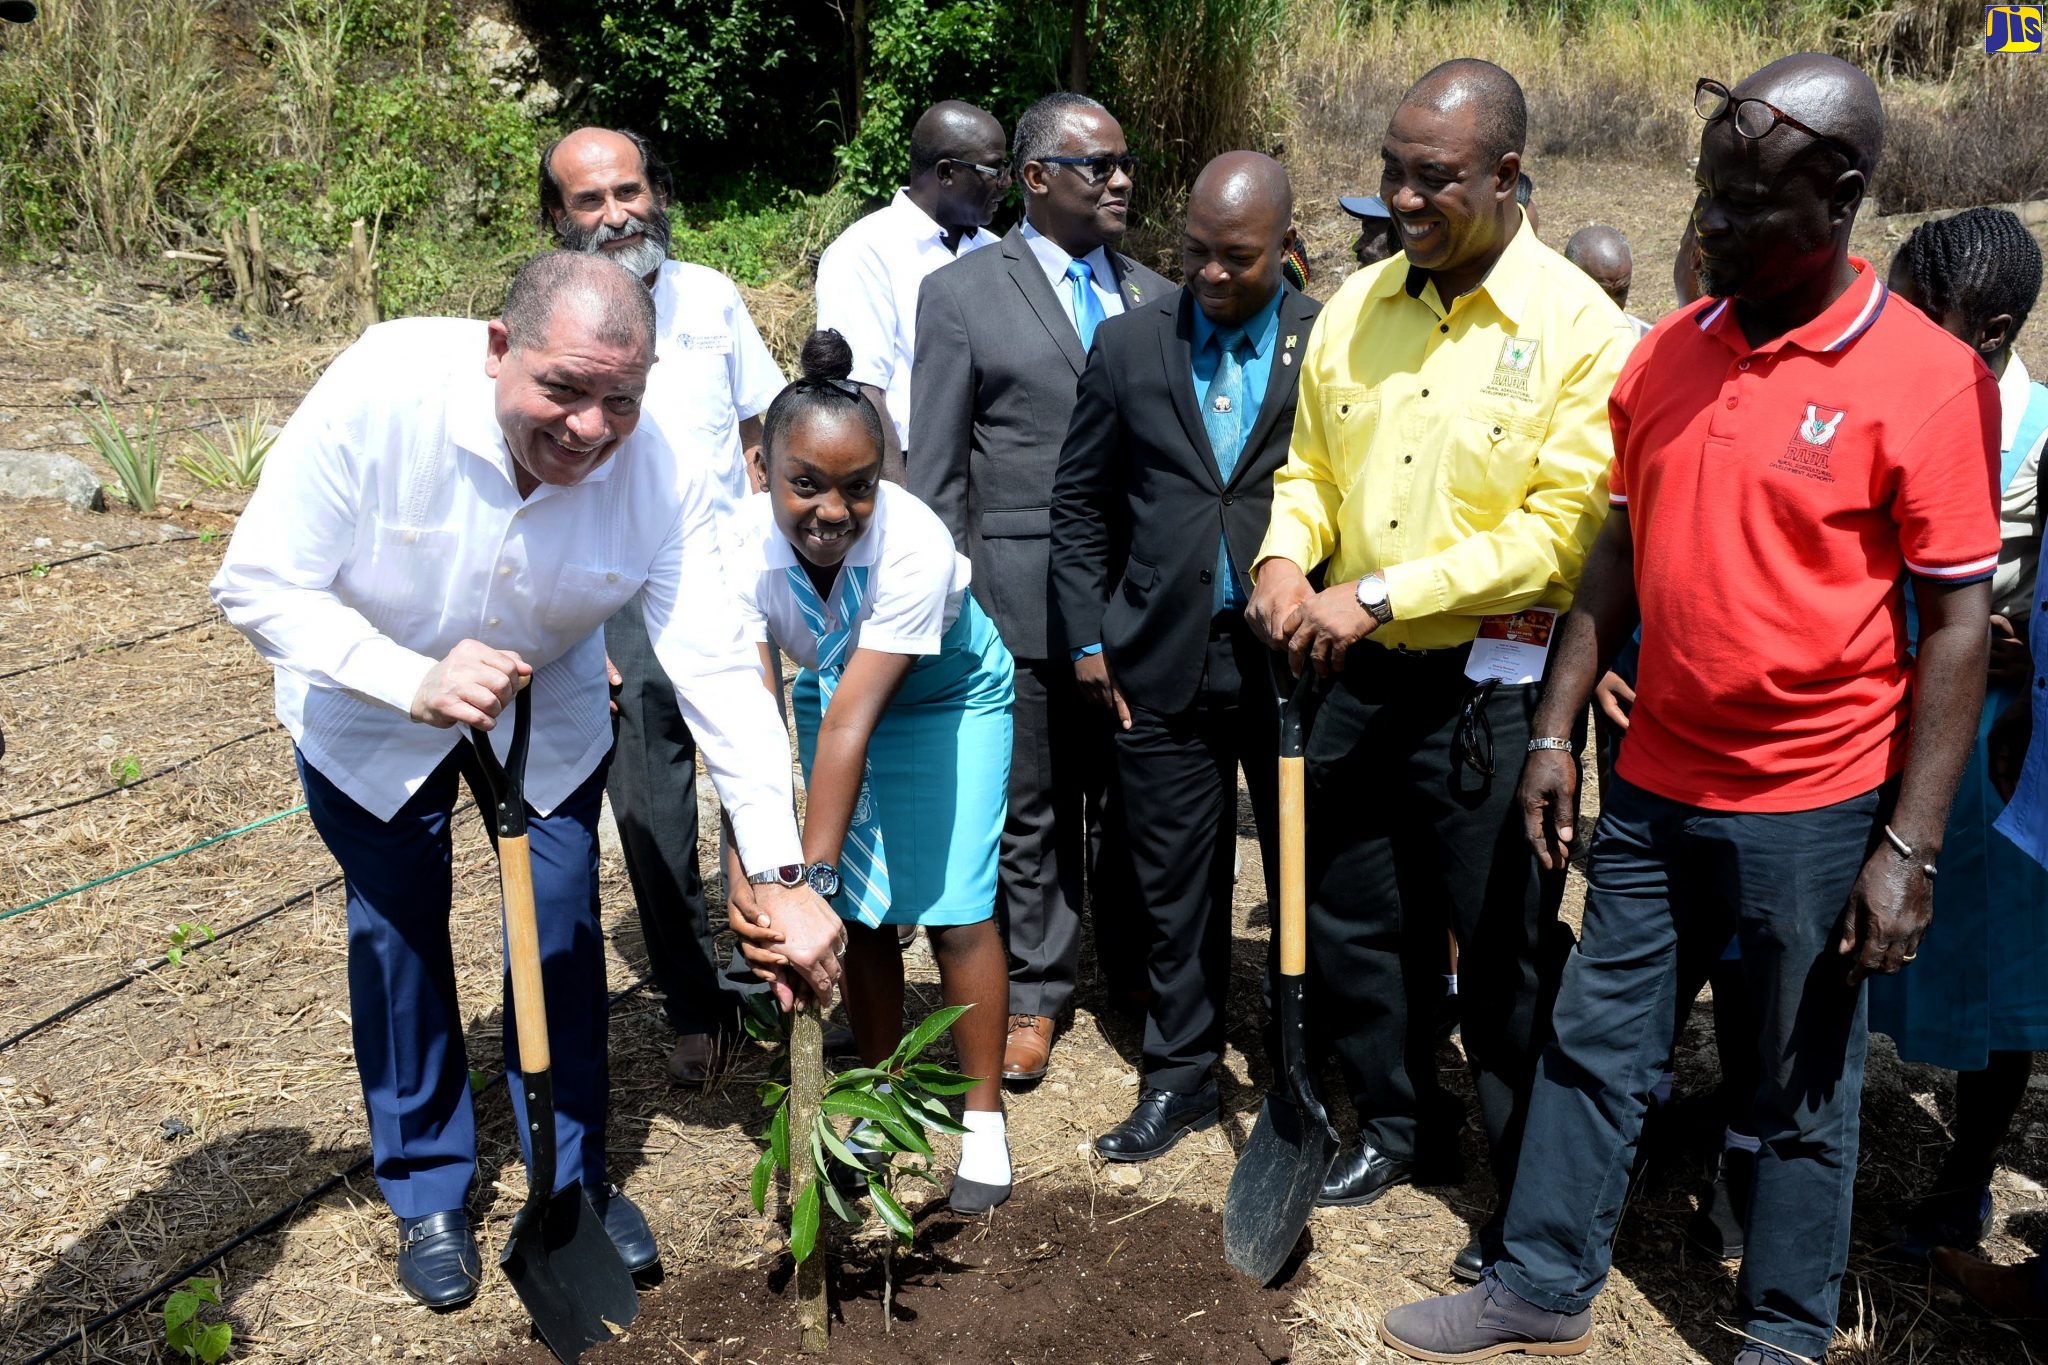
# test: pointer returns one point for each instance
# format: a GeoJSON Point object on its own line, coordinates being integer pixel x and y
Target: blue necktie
{"type": "Point", "coordinates": [868, 889]}
{"type": "Point", "coordinates": [1223, 413]}
{"type": "Point", "coordinates": [1088, 313]}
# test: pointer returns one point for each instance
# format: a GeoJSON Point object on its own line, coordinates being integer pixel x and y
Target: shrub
{"type": "Point", "coordinates": [137, 460]}
{"type": "Point", "coordinates": [235, 460]}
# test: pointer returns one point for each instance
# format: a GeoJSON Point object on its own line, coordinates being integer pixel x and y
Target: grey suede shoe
{"type": "Point", "coordinates": [1483, 1322]}
{"type": "Point", "coordinates": [1756, 1353]}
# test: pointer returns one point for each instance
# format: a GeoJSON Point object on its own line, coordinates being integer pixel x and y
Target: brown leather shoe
{"type": "Point", "coordinates": [2003, 1291]}
{"type": "Point", "coordinates": [694, 1058]}
{"type": "Point", "coordinates": [1027, 1049]}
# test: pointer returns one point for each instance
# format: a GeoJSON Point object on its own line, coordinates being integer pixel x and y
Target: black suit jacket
{"type": "Point", "coordinates": [992, 388]}
{"type": "Point", "coordinates": [1136, 468]}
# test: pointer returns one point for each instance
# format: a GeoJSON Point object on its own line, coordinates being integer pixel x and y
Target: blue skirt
{"type": "Point", "coordinates": [939, 774]}
{"type": "Point", "coordinates": [1980, 983]}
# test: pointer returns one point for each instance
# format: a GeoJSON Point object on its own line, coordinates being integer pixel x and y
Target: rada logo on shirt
{"type": "Point", "coordinates": [1511, 370]}
{"type": "Point", "coordinates": [2012, 28]}
{"type": "Point", "coordinates": [1808, 453]}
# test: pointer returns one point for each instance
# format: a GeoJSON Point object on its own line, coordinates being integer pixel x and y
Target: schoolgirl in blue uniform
{"type": "Point", "coordinates": [903, 726]}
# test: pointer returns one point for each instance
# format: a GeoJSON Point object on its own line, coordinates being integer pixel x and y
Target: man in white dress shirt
{"type": "Point", "coordinates": [869, 277]}
{"type": "Point", "coordinates": [607, 192]}
{"type": "Point", "coordinates": [457, 506]}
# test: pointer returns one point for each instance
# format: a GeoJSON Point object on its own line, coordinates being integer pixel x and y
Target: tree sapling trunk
{"type": "Point", "coordinates": [806, 1094]}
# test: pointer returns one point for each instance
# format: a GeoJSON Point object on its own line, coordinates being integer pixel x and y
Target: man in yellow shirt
{"type": "Point", "coordinates": [1449, 471]}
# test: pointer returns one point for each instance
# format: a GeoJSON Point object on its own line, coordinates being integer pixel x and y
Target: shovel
{"type": "Point", "coordinates": [1281, 1169]}
{"type": "Point", "coordinates": [558, 1256]}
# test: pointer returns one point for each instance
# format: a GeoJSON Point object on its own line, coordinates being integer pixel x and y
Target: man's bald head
{"type": "Point", "coordinates": [1240, 225]}
{"type": "Point", "coordinates": [952, 130]}
{"type": "Point", "coordinates": [1245, 182]}
{"type": "Point", "coordinates": [577, 291]}
{"type": "Point", "coordinates": [1603, 253]}
{"type": "Point", "coordinates": [1490, 94]}
{"type": "Point", "coordinates": [1834, 98]}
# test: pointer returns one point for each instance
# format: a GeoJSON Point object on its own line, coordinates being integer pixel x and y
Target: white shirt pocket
{"type": "Point", "coordinates": [402, 583]}
{"type": "Point", "coordinates": [585, 597]}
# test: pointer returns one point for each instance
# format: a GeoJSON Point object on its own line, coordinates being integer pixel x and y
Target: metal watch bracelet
{"type": "Point", "coordinates": [1549, 742]}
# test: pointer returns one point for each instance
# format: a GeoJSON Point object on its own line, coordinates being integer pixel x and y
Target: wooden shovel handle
{"type": "Point", "coordinates": [1293, 868]}
{"type": "Point", "coordinates": [522, 951]}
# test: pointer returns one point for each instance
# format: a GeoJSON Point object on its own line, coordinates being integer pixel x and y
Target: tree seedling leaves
{"type": "Point", "coordinates": [758, 1016]}
{"type": "Point", "coordinates": [926, 1033]}
{"type": "Point", "coordinates": [939, 1080]}
{"type": "Point", "coordinates": [803, 1223]}
{"type": "Point", "coordinates": [861, 1105]}
{"type": "Point", "coordinates": [841, 1153]}
{"type": "Point", "coordinates": [778, 1138]}
{"type": "Point", "coordinates": [764, 1171]}
{"type": "Point", "coordinates": [891, 1211]}
{"type": "Point", "coordinates": [854, 1079]}
{"type": "Point", "coordinates": [771, 1093]}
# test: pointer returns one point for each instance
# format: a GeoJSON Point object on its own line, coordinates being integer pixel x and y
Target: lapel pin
{"type": "Point", "coordinates": [1287, 357]}
{"type": "Point", "coordinates": [1290, 342]}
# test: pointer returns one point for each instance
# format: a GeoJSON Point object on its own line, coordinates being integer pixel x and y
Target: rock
{"type": "Point", "coordinates": [172, 531]}
{"type": "Point", "coordinates": [28, 474]}
{"type": "Point", "coordinates": [75, 387]}
{"type": "Point", "coordinates": [173, 1129]}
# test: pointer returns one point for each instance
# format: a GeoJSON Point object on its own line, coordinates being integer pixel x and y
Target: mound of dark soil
{"type": "Point", "coordinates": [1040, 1281]}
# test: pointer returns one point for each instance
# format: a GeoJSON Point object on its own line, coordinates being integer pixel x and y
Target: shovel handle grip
{"type": "Point", "coordinates": [522, 951]}
{"type": "Point", "coordinates": [1293, 868]}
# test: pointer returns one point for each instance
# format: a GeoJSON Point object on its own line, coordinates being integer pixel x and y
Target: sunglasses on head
{"type": "Point", "coordinates": [1753, 118]}
{"type": "Point", "coordinates": [1095, 169]}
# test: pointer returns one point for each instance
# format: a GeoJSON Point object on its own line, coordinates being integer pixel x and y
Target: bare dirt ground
{"type": "Point", "coordinates": [198, 1100]}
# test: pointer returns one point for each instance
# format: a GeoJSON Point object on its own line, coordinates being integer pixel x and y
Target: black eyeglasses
{"type": "Point", "coordinates": [1095, 169]}
{"type": "Point", "coordinates": [987, 172]}
{"type": "Point", "coordinates": [1475, 731]}
{"type": "Point", "coordinates": [1753, 118]}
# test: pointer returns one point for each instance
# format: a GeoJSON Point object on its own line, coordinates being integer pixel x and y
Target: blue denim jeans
{"type": "Point", "coordinates": [1657, 869]}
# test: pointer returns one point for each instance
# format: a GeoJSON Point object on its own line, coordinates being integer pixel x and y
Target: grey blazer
{"type": "Point", "coordinates": [993, 385]}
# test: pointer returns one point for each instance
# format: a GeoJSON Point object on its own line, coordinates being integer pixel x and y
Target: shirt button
{"type": "Point", "coordinates": [492, 622]}
{"type": "Point", "coordinates": [1743, 365]}
{"type": "Point", "coordinates": [611, 578]}
{"type": "Point", "coordinates": [1392, 524]}
{"type": "Point", "coordinates": [504, 571]}
{"type": "Point", "coordinates": [1443, 327]}
{"type": "Point", "coordinates": [1206, 575]}
{"type": "Point", "coordinates": [1425, 393]}
{"type": "Point", "coordinates": [1731, 402]}
{"type": "Point", "coordinates": [411, 537]}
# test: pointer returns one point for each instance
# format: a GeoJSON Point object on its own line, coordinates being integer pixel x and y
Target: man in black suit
{"type": "Point", "coordinates": [1002, 336]}
{"type": "Point", "coordinates": [1184, 415]}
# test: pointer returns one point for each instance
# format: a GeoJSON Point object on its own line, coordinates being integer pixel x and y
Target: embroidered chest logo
{"type": "Point", "coordinates": [1511, 370]}
{"type": "Point", "coordinates": [1809, 453]}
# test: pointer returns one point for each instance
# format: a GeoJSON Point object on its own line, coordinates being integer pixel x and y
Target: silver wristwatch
{"type": "Point", "coordinates": [1372, 595]}
{"type": "Point", "coordinates": [1542, 742]}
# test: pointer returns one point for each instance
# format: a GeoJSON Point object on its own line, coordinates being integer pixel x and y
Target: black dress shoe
{"type": "Point", "coordinates": [627, 1227]}
{"type": "Point", "coordinates": [1360, 1174]}
{"type": "Point", "coordinates": [973, 1197]}
{"type": "Point", "coordinates": [1161, 1119]}
{"type": "Point", "coordinates": [1470, 1262]}
{"type": "Point", "coordinates": [437, 1260]}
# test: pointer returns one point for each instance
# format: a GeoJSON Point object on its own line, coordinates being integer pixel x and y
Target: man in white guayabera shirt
{"type": "Point", "coordinates": [457, 506]}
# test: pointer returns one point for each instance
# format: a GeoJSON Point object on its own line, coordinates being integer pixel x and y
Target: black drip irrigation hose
{"type": "Point", "coordinates": [276, 1220]}
{"type": "Point", "coordinates": [87, 651]}
{"type": "Point", "coordinates": [146, 777]}
{"type": "Point", "coordinates": [122, 983]}
{"type": "Point", "coordinates": [48, 564]}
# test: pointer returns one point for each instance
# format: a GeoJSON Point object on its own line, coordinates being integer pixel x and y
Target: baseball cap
{"type": "Point", "coordinates": [1365, 206]}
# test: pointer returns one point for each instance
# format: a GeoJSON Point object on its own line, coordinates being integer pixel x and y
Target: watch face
{"type": "Point", "coordinates": [824, 879]}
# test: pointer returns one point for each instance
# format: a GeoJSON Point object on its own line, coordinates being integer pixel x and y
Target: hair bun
{"type": "Point", "coordinates": [826, 355]}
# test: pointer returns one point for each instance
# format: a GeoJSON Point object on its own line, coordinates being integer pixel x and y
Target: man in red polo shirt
{"type": "Point", "coordinates": [1788, 451]}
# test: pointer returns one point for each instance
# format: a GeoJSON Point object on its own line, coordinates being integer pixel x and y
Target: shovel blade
{"type": "Point", "coordinates": [567, 1273]}
{"type": "Point", "coordinates": [1281, 1169]}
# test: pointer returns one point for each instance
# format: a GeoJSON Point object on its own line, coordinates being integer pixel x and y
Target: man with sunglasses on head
{"type": "Point", "coordinates": [1448, 473]}
{"type": "Point", "coordinates": [606, 192]}
{"type": "Point", "coordinates": [1790, 452]}
{"type": "Point", "coordinates": [1002, 338]}
{"type": "Point", "coordinates": [869, 277]}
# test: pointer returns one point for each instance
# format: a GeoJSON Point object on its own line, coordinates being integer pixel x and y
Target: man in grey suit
{"type": "Point", "coordinates": [1002, 338]}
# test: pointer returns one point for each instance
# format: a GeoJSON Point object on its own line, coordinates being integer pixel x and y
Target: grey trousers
{"type": "Point", "coordinates": [653, 789]}
{"type": "Point", "coordinates": [1064, 834]}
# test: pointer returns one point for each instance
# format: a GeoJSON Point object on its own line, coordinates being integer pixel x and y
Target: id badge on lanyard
{"type": "Point", "coordinates": [1513, 649]}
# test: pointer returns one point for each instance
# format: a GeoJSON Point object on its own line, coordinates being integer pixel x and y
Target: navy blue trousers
{"type": "Point", "coordinates": [401, 984]}
{"type": "Point", "coordinates": [1661, 874]}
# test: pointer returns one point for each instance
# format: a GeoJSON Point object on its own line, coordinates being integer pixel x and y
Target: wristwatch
{"type": "Point", "coordinates": [1542, 742]}
{"type": "Point", "coordinates": [789, 874]}
{"type": "Point", "coordinates": [824, 879]}
{"type": "Point", "coordinates": [1372, 595]}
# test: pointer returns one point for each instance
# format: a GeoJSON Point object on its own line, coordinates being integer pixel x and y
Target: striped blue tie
{"type": "Point", "coordinates": [866, 885]}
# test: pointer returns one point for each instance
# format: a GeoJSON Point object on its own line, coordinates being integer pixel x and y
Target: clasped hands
{"type": "Point", "coordinates": [1315, 628]}
{"type": "Point", "coordinates": [790, 938]}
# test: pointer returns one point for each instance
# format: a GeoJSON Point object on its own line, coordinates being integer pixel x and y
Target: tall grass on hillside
{"type": "Point", "coordinates": [116, 95]}
{"type": "Point", "coordinates": [1614, 78]}
{"type": "Point", "coordinates": [1608, 79]}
